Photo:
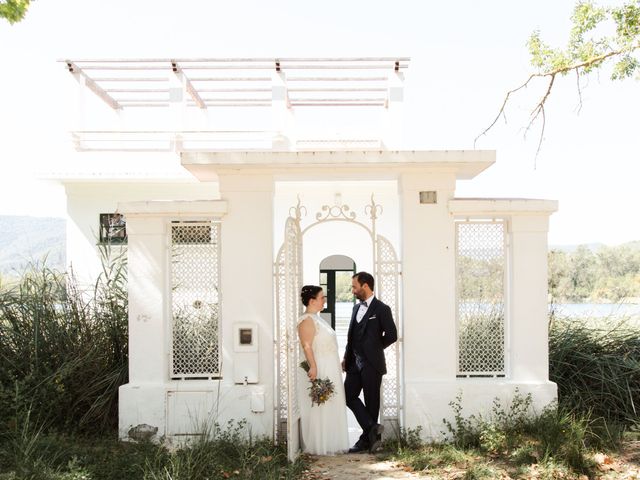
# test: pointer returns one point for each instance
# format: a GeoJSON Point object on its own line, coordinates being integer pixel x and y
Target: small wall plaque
{"type": "Point", "coordinates": [430, 196]}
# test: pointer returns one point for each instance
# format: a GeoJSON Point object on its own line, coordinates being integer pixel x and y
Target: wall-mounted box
{"type": "Point", "coordinates": [245, 353]}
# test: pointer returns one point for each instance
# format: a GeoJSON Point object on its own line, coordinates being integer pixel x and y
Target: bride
{"type": "Point", "coordinates": [324, 427]}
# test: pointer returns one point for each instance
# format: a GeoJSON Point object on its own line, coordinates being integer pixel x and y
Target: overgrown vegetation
{"type": "Point", "coordinates": [31, 454]}
{"type": "Point", "coordinates": [63, 355]}
{"type": "Point", "coordinates": [555, 443]}
{"type": "Point", "coordinates": [606, 274]}
{"type": "Point", "coordinates": [63, 351]}
{"type": "Point", "coordinates": [597, 368]}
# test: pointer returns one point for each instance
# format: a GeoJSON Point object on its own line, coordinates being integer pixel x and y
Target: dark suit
{"type": "Point", "coordinates": [365, 362]}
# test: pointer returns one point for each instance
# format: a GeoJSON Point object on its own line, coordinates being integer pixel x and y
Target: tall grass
{"type": "Point", "coordinates": [597, 369]}
{"type": "Point", "coordinates": [229, 452]}
{"type": "Point", "coordinates": [63, 350]}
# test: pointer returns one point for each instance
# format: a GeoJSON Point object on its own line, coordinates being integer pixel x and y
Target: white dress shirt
{"type": "Point", "coordinates": [363, 308]}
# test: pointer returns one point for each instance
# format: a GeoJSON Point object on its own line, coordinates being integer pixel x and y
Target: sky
{"type": "Point", "coordinates": [465, 56]}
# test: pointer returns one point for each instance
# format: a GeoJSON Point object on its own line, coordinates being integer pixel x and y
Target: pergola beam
{"type": "Point", "coordinates": [124, 83]}
{"type": "Point", "coordinates": [93, 86]}
{"type": "Point", "coordinates": [178, 70]}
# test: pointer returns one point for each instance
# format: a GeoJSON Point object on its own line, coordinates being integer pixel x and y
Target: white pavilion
{"type": "Point", "coordinates": [232, 182]}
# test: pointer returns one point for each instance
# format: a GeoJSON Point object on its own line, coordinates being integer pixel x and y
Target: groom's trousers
{"type": "Point", "coordinates": [363, 377]}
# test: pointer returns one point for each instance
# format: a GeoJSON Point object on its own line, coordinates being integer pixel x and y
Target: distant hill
{"type": "Point", "coordinates": [27, 239]}
{"type": "Point", "coordinates": [594, 247]}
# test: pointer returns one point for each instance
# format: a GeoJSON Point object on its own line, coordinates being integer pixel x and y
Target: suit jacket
{"type": "Point", "coordinates": [379, 332]}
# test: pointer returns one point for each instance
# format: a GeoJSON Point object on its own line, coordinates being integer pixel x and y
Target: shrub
{"type": "Point", "coordinates": [597, 369]}
{"type": "Point", "coordinates": [63, 351]}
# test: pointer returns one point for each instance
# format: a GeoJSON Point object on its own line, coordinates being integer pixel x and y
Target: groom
{"type": "Point", "coordinates": [371, 331]}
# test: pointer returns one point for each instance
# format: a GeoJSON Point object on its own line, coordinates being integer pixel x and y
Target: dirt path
{"type": "Point", "coordinates": [356, 466]}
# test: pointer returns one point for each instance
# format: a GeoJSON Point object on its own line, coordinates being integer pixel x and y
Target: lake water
{"type": "Point", "coordinates": [598, 310]}
{"type": "Point", "coordinates": [571, 310]}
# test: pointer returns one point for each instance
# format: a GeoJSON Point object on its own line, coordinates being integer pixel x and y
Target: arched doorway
{"type": "Point", "coordinates": [288, 281]}
{"type": "Point", "coordinates": [335, 278]}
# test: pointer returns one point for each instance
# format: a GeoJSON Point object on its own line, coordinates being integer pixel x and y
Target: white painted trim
{"type": "Point", "coordinates": [174, 208]}
{"type": "Point", "coordinates": [501, 206]}
{"type": "Point", "coordinates": [465, 163]}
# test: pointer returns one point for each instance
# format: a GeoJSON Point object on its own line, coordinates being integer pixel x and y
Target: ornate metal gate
{"type": "Point", "coordinates": [387, 275]}
{"type": "Point", "coordinates": [288, 273]}
{"type": "Point", "coordinates": [288, 278]}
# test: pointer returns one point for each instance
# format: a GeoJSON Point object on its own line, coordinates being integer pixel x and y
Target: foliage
{"type": "Point", "coordinates": [63, 351]}
{"type": "Point", "coordinates": [598, 36]}
{"type": "Point", "coordinates": [556, 434]}
{"type": "Point", "coordinates": [597, 369]}
{"type": "Point", "coordinates": [608, 273]}
{"type": "Point", "coordinates": [14, 10]}
{"type": "Point", "coordinates": [229, 452]}
{"type": "Point", "coordinates": [343, 287]}
{"type": "Point", "coordinates": [481, 330]}
{"type": "Point", "coordinates": [404, 438]}
{"type": "Point", "coordinates": [589, 47]}
{"type": "Point", "coordinates": [481, 278]}
{"type": "Point", "coordinates": [553, 443]}
{"type": "Point", "coordinates": [490, 434]}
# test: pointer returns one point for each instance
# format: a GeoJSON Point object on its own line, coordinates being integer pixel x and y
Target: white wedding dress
{"type": "Point", "coordinates": [324, 427]}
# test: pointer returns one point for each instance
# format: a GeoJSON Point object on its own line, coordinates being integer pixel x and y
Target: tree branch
{"type": "Point", "coordinates": [538, 111]}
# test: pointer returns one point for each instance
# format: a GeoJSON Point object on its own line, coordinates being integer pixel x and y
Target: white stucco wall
{"type": "Point", "coordinates": [86, 200]}
{"type": "Point", "coordinates": [190, 407]}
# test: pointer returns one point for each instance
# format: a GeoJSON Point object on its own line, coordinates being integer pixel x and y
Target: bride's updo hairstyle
{"type": "Point", "coordinates": [308, 292]}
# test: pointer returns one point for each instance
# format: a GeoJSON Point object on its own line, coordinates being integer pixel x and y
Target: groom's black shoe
{"type": "Point", "coordinates": [359, 447]}
{"type": "Point", "coordinates": [375, 437]}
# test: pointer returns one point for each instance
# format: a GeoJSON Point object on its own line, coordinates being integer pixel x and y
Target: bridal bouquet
{"type": "Point", "coordinates": [321, 389]}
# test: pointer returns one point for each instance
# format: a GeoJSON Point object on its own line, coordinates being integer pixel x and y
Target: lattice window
{"type": "Point", "coordinates": [195, 300]}
{"type": "Point", "coordinates": [480, 272]}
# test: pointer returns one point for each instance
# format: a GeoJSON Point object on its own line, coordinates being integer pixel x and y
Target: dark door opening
{"type": "Point", "coordinates": [335, 278]}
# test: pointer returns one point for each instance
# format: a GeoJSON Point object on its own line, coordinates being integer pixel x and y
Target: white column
{"type": "Point", "coordinates": [528, 326]}
{"type": "Point", "coordinates": [247, 268]}
{"type": "Point", "coordinates": [147, 259]}
{"type": "Point", "coordinates": [142, 400]}
{"type": "Point", "coordinates": [428, 280]}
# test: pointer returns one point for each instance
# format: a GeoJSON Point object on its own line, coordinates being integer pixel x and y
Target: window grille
{"type": "Point", "coordinates": [195, 300]}
{"type": "Point", "coordinates": [480, 278]}
{"type": "Point", "coordinates": [113, 228]}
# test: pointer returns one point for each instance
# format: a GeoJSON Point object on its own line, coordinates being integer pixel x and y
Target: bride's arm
{"type": "Point", "coordinates": [306, 332]}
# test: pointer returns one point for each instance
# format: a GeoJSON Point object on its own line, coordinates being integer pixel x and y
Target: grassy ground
{"type": "Point", "coordinates": [443, 461]}
{"type": "Point", "coordinates": [230, 453]}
